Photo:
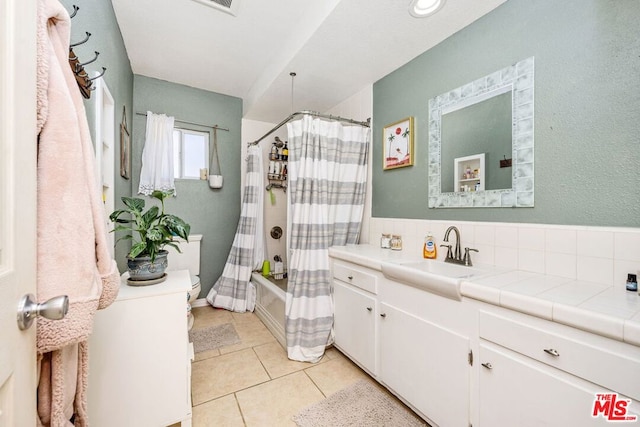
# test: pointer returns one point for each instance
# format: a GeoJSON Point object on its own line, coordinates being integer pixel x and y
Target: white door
{"type": "Point", "coordinates": [425, 364]}
{"type": "Point", "coordinates": [354, 324]}
{"type": "Point", "coordinates": [17, 208]}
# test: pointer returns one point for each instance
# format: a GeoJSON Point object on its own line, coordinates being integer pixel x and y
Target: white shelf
{"type": "Point", "coordinates": [469, 164]}
{"type": "Point", "coordinates": [105, 152]}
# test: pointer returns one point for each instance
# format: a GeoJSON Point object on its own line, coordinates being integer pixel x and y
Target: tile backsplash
{"type": "Point", "coordinates": [602, 255]}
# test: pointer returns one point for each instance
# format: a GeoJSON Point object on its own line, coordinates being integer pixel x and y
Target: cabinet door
{"type": "Point", "coordinates": [426, 365]}
{"type": "Point", "coordinates": [518, 391]}
{"type": "Point", "coordinates": [354, 325]}
{"type": "Point", "coordinates": [139, 363]}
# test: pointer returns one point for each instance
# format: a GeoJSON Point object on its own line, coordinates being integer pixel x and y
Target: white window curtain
{"type": "Point", "coordinates": [157, 155]}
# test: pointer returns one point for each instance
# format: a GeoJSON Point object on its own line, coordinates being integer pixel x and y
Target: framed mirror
{"type": "Point", "coordinates": [481, 148]}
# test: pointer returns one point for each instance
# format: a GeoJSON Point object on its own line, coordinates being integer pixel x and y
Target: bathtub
{"type": "Point", "coordinates": [270, 297]}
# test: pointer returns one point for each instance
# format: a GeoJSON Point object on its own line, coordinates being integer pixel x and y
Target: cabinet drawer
{"type": "Point", "coordinates": [356, 277]}
{"type": "Point", "coordinates": [607, 367]}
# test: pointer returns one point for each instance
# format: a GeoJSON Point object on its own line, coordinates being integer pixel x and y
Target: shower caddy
{"type": "Point", "coordinates": [278, 165]}
{"type": "Point", "coordinates": [276, 181]}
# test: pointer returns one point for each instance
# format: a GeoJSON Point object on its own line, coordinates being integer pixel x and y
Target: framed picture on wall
{"type": "Point", "coordinates": [397, 144]}
{"type": "Point", "coordinates": [125, 147]}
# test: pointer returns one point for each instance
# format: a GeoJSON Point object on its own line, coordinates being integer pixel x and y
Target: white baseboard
{"type": "Point", "coordinates": [200, 302]}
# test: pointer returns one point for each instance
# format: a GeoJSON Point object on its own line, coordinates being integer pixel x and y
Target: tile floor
{"type": "Point", "coordinates": [252, 383]}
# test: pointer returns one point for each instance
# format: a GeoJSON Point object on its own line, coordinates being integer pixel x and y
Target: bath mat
{"type": "Point", "coordinates": [213, 337]}
{"type": "Point", "coordinates": [362, 404]}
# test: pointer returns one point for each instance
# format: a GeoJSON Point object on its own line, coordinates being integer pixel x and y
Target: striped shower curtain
{"type": "Point", "coordinates": [233, 290]}
{"type": "Point", "coordinates": [327, 185]}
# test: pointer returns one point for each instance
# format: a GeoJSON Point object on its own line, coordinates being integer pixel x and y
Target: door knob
{"type": "Point", "coordinates": [54, 309]}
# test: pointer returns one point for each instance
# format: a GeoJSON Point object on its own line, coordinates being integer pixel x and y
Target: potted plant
{"type": "Point", "coordinates": [147, 259]}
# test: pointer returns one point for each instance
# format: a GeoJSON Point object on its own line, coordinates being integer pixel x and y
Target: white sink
{"type": "Point", "coordinates": [434, 276]}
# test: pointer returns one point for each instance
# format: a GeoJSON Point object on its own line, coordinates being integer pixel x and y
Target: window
{"type": "Point", "coordinates": [190, 153]}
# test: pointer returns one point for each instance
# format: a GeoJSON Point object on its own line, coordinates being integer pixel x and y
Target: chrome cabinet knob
{"type": "Point", "coordinates": [552, 352]}
{"type": "Point", "coordinates": [54, 309]}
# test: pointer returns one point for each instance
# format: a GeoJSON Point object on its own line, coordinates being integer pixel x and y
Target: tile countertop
{"type": "Point", "coordinates": [602, 309]}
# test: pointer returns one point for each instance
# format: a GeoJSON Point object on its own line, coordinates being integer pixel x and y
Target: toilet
{"type": "Point", "coordinates": [188, 259]}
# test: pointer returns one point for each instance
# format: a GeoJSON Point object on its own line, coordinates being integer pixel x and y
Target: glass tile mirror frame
{"type": "Point", "coordinates": [519, 79]}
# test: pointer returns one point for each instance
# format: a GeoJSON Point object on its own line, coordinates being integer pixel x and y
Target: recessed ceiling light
{"type": "Point", "coordinates": [423, 8]}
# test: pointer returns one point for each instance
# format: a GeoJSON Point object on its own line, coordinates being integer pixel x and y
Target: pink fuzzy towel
{"type": "Point", "coordinates": [73, 255]}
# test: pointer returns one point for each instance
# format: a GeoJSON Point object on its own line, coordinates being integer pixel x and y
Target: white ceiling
{"type": "Point", "coordinates": [336, 47]}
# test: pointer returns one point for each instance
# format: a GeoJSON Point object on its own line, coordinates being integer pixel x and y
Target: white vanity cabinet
{"type": "Point", "coordinates": [518, 391]}
{"type": "Point", "coordinates": [405, 339]}
{"type": "Point", "coordinates": [140, 357]}
{"type": "Point", "coordinates": [470, 362]}
{"type": "Point", "coordinates": [533, 372]}
{"type": "Point", "coordinates": [355, 314]}
{"type": "Point", "coordinates": [426, 365]}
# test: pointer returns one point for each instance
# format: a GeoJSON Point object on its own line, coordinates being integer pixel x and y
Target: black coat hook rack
{"type": "Point", "coordinates": [79, 66]}
{"type": "Point", "coordinates": [98, 76]}
{"type": "Point", "coordinates": [85, 83]}
{"type": "Point", "coordinates": [86, 39]}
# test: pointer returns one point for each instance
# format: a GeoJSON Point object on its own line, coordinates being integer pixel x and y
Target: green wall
{"type": "Point", "coordinates": [587, 110]}
{"type": "Point", "coordinates": [212, 213]}
{"type": "Point", "coordinates": [98, 18]}
{"type": "Point", "coordinates": [481, 128]}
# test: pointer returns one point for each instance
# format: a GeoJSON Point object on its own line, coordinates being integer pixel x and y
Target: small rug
{"type": "Point", "coordinates": [213, 337]}
{"type": "Point", "coordinates": [362, 404]}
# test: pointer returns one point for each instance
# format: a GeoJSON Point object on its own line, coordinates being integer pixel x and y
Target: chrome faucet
{"type": "Point", "coordinates": [455, 256]}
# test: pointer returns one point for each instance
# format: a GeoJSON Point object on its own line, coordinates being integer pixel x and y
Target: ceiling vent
{"type": "Point", "coordinates": [228, 6]}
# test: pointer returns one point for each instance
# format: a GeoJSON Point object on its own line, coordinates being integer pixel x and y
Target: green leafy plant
{"type": "Point", "coordinates": [155, 228]}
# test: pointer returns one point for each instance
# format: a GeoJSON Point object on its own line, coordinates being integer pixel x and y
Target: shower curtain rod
{"type": "Point", "coordinates": [191, 123]}
{"type": "Point", "coordinates": [312, 113]}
